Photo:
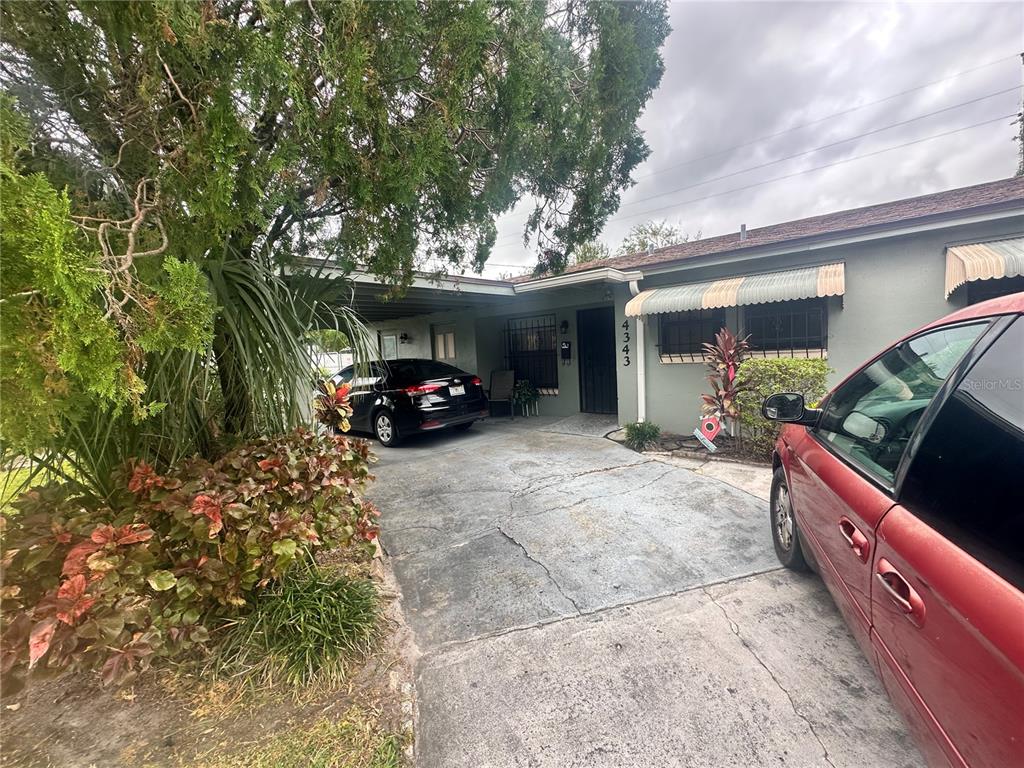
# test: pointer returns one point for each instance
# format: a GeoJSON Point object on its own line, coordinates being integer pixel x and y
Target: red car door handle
{"type": "Point", "coordinates": [858, 541]}
{"type": "Point", "coordinates": [902, 595]}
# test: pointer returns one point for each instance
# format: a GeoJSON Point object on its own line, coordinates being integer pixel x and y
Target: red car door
{"type": "Point", "coordinates": [948, 599]}
{"type": "Point", "coordinates": [837, 511]}
{"type": "Point", "coordinates": [843, 471]}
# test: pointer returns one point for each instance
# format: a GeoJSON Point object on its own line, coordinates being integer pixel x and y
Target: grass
{"type": "Point", "coordinates": [354, 741]}
{"type": "Point", "coordinates": [303, 632]}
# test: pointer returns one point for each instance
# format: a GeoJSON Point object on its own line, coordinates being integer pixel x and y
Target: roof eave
{"type": "Point", "coordinates": [845, 237]}
{"type": "Point", "coordinates": [599, 275]}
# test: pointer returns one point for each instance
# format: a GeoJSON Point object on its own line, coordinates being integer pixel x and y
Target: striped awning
{"type": "Point", "coordinates": [983, 261]}
{"type": "Point", "coordinates": [806, 283]}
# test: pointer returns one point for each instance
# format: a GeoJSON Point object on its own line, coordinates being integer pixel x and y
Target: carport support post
{"type": "Point", "coordinates": [641, 368]}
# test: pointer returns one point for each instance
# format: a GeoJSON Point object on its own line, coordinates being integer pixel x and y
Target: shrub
{"type": "Point", "coordinates": [332, 405]}
{"type": "Point", "coordinates": [765, 376]}
{"type": "Point", "coordinates": [641, 435]}
{"type": "Point", "coordinates": [86, 584]}
{"type": "Point", "coordinates": [302, 630]}
{"type": "Point", "coordinates": [524, 393]}
{"type": "Point", "coordinates": [724, 359]}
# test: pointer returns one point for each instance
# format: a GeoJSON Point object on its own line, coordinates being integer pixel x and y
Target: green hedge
{"type": "Point", "coordinates": [766, 376]}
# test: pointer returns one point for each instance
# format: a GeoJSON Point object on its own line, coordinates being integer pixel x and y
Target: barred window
{"type": "Point", "coordinates": [685, 333]}
{"type": "Point", "coordinates": [983, 290]}
{"type": "Point", "coordinates": [787, 326]}
{"type": "Point", "coordinates": [531, 350]}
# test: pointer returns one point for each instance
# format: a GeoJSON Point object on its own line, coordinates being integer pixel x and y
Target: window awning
{"type": "Point", "coordinates": [983, 261]}
{"type": "Point", "coordinates": [806, 283]}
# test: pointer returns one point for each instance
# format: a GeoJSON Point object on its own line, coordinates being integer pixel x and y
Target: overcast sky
{"type": "Point", "coordinates": [736, 72]}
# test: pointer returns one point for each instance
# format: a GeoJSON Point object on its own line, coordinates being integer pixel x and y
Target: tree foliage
{"type": "Point", "coordinates": [375, 130]}
{"type": "Point", "coordinates": [592, 250]}
{"type": "Point", "coordinates": [70, 340]}
{"type": "Point", "coordinates": [650, 235]}
{"type": "Point", "coordinates": [244, 137]}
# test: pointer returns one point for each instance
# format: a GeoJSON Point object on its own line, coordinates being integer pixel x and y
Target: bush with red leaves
{"type": "Point", "coordinates": [111, 587]}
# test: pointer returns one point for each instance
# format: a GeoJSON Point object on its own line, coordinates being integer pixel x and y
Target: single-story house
{"type": "Point", "coordinates": [623, 335]}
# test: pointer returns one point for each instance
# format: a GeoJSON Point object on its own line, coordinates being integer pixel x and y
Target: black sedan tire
{"type": "Point", "coordinates": [785, 533]}
{"type": "Point", "coordinates": [385, 429]}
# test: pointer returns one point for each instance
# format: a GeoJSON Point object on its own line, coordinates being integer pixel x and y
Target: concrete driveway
{"type": "Point", "coordinates": [578, 604]}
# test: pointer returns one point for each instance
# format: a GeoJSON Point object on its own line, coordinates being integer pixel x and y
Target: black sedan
{"type": "Point", "coordinates": [397, 398]}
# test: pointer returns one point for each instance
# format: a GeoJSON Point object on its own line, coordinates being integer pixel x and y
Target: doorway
{"type": "Point", "coordinates": [596, 338]}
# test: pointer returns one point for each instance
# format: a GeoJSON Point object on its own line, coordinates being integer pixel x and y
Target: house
{"type": "Point", "coordinates": [623, 335]}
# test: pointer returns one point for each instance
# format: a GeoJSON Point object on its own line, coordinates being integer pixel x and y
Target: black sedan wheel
{"type": "Point", "coordinates": [385, 429]}
{"type": "Point", "coordinates": [785, 534]}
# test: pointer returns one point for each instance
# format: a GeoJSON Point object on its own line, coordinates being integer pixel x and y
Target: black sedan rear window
{"type": "Point", "coordinates": [432, 369]}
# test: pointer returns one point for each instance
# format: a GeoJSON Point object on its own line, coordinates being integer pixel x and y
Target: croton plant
{"type": "Point", "coordinates": [91, 585]}
{"type": "Point", "coordinates": [332, 405]}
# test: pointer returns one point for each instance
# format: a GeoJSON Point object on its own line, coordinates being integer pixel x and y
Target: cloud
{"type": "Point", "coordinates": [739, 71]}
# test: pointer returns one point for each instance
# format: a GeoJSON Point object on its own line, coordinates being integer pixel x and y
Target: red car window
{"type": "Point", "coordinates": [870, 419]}
{"type": "Point", "coordinates": [965, 478]}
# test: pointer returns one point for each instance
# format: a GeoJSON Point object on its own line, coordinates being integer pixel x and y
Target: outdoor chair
{"type": "Point", "coordinates": [502, 383]}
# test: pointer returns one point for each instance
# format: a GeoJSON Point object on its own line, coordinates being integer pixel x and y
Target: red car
{"type": "Point", "coordinates": [905, 492]}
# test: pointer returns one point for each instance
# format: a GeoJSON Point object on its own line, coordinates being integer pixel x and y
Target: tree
{"type": "Point", "coordinates": [72, 327]}
{"type": "Point", "coordinates": [591, 251]}
{"type": "Point", "coordinates": [243, 137]}
{"type": "Point", "coordinates": [650, 235]}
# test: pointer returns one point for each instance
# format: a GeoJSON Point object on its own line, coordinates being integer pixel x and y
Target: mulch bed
{"type": "Point", "coordinates": [688, 446]}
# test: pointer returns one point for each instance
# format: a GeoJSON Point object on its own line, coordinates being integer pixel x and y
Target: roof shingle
{"type": "Point", "coordinates": [1004, 192]}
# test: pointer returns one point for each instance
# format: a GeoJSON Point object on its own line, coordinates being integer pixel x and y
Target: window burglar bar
{"type": "Point", "coordinates": [789, 326]}
{"type": "Point", "coordinates": [685, 333]}
{"type": "Point", "coordinates": [531, 349]}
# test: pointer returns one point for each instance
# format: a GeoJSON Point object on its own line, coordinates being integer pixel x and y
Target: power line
{"type": "Point", "coordinates": [816, 168]}
{"type": "Point", "coordinates": [821, 120]}
{"type": "Point", "coordinates": [512, 238]}
{"type": "Point", "coordinates": [823, 146]}
{"type": "Point", "coordinates": [827, 117]}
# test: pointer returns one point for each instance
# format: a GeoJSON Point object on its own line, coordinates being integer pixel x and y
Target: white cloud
{"type": "Point", "coordinates": [739, 71]}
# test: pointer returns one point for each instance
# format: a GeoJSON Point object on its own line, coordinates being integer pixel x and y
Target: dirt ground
{"type": "Point", "coordinates": [171, 719]}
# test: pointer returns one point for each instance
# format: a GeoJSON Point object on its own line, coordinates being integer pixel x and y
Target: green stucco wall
{"type": "Point", "coordinates": [893, 285]}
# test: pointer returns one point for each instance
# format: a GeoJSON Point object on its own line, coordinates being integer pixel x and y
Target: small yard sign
{"type": "Point", "coordinates": [708, 431]}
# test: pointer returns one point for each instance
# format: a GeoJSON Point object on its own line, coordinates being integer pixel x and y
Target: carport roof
{"type": "Point", "coordinates": [426, 295]}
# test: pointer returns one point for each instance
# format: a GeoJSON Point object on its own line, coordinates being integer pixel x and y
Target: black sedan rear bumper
{"type": "Point", "coordinates": [412, 419]}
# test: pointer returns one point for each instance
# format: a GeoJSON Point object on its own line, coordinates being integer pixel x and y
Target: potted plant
{"type": "Point", "coordinates": [525, 395]}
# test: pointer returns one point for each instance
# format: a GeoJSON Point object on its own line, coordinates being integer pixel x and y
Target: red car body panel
{"type": "Point", "coordinates": [825, 491]}
{"type": "Point", "coordinates": [966, 660]}
{"type": "Point", "coordinates": [952, 654]}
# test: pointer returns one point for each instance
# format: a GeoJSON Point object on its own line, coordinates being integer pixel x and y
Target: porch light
{"type": "Point", "coordinates": [405, 338]}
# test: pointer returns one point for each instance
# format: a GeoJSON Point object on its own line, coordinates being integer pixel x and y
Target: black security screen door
{"type": "Point", "coordinates": [596, 331]}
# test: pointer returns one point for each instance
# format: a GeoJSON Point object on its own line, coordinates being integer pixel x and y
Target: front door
{"type": "Point", "coordinates": [596, 338]}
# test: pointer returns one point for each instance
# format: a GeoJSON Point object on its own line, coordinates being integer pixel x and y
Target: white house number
{"type": "Point", "coordinates": [625, 343]}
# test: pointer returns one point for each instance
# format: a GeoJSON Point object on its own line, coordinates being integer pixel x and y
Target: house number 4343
{"type": "Point", "coordinates": [625, 343]}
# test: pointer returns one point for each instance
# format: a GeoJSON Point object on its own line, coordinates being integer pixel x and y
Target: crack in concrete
{"type": "Point", "coordinates": [736, 631]}
{"type": "Point", "coordinates": [532, 559]}
{"type": "Point", "coordinates": [561, 479]}
{"type": "Point", "coordinates": [542, 623]}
